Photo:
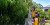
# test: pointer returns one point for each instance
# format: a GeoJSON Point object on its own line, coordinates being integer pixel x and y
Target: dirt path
{"type": "Point", "coordinates": [47, 22]}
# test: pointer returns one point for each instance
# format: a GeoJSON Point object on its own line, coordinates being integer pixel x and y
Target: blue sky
{"type": "Point", "coordinates": [43, 2]}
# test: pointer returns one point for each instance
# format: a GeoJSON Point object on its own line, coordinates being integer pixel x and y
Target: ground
{"type": "Point", "coordinates": [47, 22]}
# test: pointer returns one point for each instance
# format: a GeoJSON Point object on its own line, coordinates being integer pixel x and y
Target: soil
{"type": "Point", "coordinates": [47, 22]}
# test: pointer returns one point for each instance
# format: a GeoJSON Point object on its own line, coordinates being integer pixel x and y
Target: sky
{"type": "Point", "coordinates": [42, 2]}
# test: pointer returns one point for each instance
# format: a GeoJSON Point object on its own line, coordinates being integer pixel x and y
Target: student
{"type": "Point", "coordinates": [37, 18]}
{"type": "Point", "coordinates": [33, 14]}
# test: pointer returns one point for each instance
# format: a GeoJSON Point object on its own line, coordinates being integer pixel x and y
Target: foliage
{"type": "Point", "coordinates": [41, 13]}
{"type": "Point", "coordinates": [13, 11]}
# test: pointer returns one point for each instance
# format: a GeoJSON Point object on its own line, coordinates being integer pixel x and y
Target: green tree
{"type": "Point", "coordinates": [13, 11]}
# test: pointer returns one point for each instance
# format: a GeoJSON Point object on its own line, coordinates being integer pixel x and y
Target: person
{"type": "Point", "coordinates": [37, 18]}
{"type": "Point", "coordinates": [33, 15]}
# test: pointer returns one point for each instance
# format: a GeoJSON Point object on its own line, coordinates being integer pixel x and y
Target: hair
{"type": "Point", "coordinates": [36, 12]}
{"type": "Point", "coordinates": [33, 8]}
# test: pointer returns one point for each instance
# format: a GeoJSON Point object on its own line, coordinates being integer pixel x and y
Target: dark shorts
{"type": "Point", "coordinates": [33, 19]}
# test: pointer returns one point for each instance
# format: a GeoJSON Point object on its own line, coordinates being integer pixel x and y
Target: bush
{"type": "Point", "coordinates": [13, 11]}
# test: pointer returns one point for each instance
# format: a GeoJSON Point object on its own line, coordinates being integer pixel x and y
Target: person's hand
{"type": "Point", "coordinates": [32, 18]}
{"type": "Point", "coordinates": [32, 22]}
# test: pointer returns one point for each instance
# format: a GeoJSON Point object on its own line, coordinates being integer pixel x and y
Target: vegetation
{"type": "Point", "coordinates": [13, 11]}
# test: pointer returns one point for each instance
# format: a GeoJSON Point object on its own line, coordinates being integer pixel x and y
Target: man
{"type": "Point", "coordinates": [33, 15]}
{"type": "Point", "coordinates": [37, 18]}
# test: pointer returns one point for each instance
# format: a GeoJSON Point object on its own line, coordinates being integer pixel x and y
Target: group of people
{"type": "Point", "coordinates": [35, 16]}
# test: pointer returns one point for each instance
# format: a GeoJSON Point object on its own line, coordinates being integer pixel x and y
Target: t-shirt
{"type": "Point", "coordinates": [36, 21]}
{"type": "Point", "coordinates": [33, 13]}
